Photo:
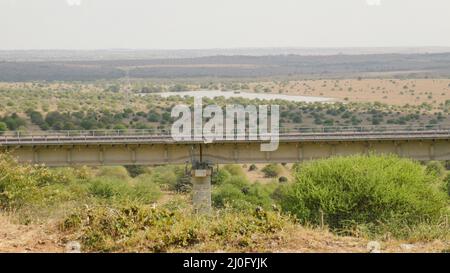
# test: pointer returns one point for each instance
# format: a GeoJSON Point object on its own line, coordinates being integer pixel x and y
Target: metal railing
{"type": "Point", "coordinates": [165, 133]}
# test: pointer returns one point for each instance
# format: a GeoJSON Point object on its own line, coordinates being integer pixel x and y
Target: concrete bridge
{"type": "Point", "coordinates": [151, 147]}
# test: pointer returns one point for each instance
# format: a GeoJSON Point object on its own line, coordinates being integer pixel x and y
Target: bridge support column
{"type": "Point", "coordinates": [201, 190]}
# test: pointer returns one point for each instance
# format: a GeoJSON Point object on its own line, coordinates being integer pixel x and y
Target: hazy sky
{"type": "Point", "coordinates": [186, 24]}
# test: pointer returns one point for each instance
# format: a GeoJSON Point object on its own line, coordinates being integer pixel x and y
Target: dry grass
{"type": "Point", "coordinates": [390, 91]}
{"type": "Point", "coordinates": [46, 238]}
{"type": "Point", "coordinates": [258, 176]}
{"type": "Point", "coordinates": [15, 237]}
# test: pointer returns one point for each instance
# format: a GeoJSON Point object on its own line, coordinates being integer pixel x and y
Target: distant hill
{"type": "Point", "coordinates": [236, 66]}
{"type": "Point", "coordinates": [134, 54]}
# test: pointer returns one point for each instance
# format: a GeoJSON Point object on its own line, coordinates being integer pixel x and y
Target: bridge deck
{"type": "Point", "coordinates": [317, 134]}
{"type": "Point", "coordinates": [148, 147]}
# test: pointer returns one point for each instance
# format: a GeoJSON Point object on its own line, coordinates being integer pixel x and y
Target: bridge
{"type": "Point", "coordinates": [153, 147]}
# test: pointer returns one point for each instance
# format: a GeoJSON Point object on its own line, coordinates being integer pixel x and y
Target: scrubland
{"type": "Point", "coordinates": [331, 205]}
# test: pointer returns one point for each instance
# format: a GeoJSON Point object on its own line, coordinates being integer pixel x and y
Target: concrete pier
{"type": "Point", "coordinates": [201, 190]}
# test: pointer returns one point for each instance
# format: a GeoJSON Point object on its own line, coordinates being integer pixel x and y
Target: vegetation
{"type": "Point", "coordinates": [3, 127]}
{"type": "Point", "coordinates": [435, 168]}
{"type": "Point", "coordinates": [106, 209]}
{"type": "Point", "coordinates": [366, 194]}
{"type": "Point", "coordinates": [35, 190]}
{"type": "Point", "coordinates": [96, 106]}
{"type": "Point", "coordinates": [447, 183]}
{"type": "Point", "coordinates": [272, 170]}
{"type": "Point", "coordinates": [140, 228]}
{"type": "Point", "coordinates": [139, 208]}
{"type": "Point", "coordinates": [373, 196]}
{"type": "Point", "coordinates": [233, 190]}
{"type": "Point", "coordinates": [224, 67]}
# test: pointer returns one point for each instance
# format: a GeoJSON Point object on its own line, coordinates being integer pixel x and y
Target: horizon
{"type": "Point", "coordinates": [229, 48]}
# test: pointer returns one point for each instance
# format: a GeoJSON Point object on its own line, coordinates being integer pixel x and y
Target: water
{"type": "Point", "coordinates": [230, 94]}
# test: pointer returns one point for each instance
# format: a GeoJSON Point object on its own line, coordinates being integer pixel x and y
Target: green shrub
{"type": "Point", "coordinates": [118, 172]}
{"type": "Point", "coordinates": [135, 170]}
{"type": "Point", "coordinates": [142, 189]}
{"type": "Point", "coordinates": [252, 168]}
{"type": "Point", "coordinates": [32, 190]}
{"type": "Point", "coordinates": [220, 176]}
{"type": "Point", "coordinates": [3, 127]}
{"type": "Point", "coordinates": [183, 184]}
{"type": "Point", "coordinates": [109, 187]}
{"type": "Point", "coordinates": [19, 185]}
{"type": "Point", "coordinates": [240, 194]}
{"type": "Point", "coordinates": [435, 168]}
{"type": "Point", "coordinates": [146, 191]}
{"type": "Point", "coordinates": [272, 170]}
{"type": "Point", "coordinates": [237, 181]}
{"type": "Point", "coordinates": [447, 165]}
{"type": "Point", "coordinates": [235, 170]}
{"type": "Point", "coordinates": [166, 175]}
{"type": "Point", "coordinates": [282, 179]}
{"type": "Point", "coordinates": [228, 194]}
{"type": "Point", "coordinates": [447, 183]}
{"type": "Point", "coordinates": [373, 192]}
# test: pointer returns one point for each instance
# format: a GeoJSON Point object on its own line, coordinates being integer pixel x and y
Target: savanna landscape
{"type": "Point", "coordinates": [339, 204]}
{"type": "Point", "coordinates": [224, 135]}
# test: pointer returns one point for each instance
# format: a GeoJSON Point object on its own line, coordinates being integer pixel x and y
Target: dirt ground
{"type": "Point", "coordinates": [18, 238]}
{"type": "Point", "coordinates": [390, 91]}
{"type": "Point", "coordinates": [258, 176]}
{"type": "Point", "coordinates": [317, 241]}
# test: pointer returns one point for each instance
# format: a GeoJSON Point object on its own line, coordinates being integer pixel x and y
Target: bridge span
{"type": "Point", "coordinates": [151, 147]}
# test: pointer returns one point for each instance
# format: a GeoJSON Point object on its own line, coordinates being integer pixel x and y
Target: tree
{"type": "Point", "coordinates": [120, 127]}
{"type": "Point", "coordinates": [3, 128]}
{"type": "Point", "coordinates": [271, 170]}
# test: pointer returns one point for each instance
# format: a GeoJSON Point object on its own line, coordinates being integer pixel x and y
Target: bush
{"type": "Point", "coordinates": [228, 194]}
{"type": "Point", "coordinates": [220, 176]}
{"type": "Point", "coordinates": [235, 170]}
{"type": "Point", "coordinates": [3, 127]}
{"type": "Point", "coordinates": [146, 191]}
{"type": "Point", "coordinates": [447, 183]}
{"type": "Point", "coordinates": [33, 190]}
{"type": "Point", "coordinates": [118, 172]}
{"type": "Point", "coordinates": [167, 176]}
{"type": "Point", "coordinates": [374, 192]}
{"type": "Point", "coordinates": [19, 185]}
{"type": "Point", "coordinates": [184, 184]}
{"type": "Point", "coordinates": [109, 187]}
{"type": "Point", "coordinates": [143, 189]}
{"type": "Point", "coordinates": [282, 179]}
{"type": "Point", "coordinates": [239, 194]}
{"type": "Point", "coordinates": [252, 168]}
{"type": "Point", "coordinates": [435, 168]}
{"type": "Point", "coordinates": [135, 171]}
{"type": "Point", "coordinates": [140, 228]}
{"type": "Point", "coordinates": [271, 170]}
{"type": "Point", "coordinates": [447, 165]}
